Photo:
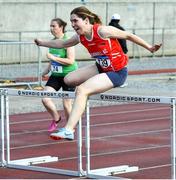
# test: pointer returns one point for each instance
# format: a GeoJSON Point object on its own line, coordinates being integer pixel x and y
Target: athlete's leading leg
{"type": "Point", "coordinates": [96, 84]}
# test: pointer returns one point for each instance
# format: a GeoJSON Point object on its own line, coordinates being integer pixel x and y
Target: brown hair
{"type": "Point", "coordinates": [60, 22]}
{"type": "Point", "coordinates": [83, 12]}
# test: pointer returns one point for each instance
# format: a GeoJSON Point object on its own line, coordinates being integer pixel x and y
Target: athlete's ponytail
{"type": "Point", "coordinates": [84, 13]}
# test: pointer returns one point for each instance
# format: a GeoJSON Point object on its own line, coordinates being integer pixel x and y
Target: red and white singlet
{"type": "Point", "coordinates": [108, 52]}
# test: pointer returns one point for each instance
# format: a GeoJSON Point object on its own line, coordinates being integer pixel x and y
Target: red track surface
{"type": "Point", "coordinates": [128, 134]}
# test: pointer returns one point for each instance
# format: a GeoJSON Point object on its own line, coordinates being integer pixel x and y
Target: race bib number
{"type": "Point", "coordinates": [103, 61]}
{"type": "Point", "coordinates": [56, 69]}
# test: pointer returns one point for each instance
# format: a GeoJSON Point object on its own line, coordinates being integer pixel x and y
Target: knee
{"type": "Point", "coordinates": [68, 81]}
{"type": "Point", "coordinates": [44, 100]}
{"type": "Point", "coordinates": [81, 91]}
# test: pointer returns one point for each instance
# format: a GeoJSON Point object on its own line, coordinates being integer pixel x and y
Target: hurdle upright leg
{"type": "Point", "coordinates": [7, 129]}
{"type": "Point", "coordinates": [173, 139]}
{"type": "Point", "coordinates": [2, 144]}
{"type": "Point", "coordinates": [87, 139]}
{"type": "Point", "coordinates": [79, 144]}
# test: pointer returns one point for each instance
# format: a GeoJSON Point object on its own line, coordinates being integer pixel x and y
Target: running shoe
{"type": "Point", "coordinates": [53, 125]}
{"type": "Point", "coordinates": [63, 134]}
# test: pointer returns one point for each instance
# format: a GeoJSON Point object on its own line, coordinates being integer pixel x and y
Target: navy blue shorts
{"type": "Point", "coordinates": [57, 83]}
{"type": "Point", "coordinates": [118, 78]}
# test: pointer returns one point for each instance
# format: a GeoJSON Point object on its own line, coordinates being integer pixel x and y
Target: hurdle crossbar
{"type": "Point", "coordinates": [97, 173]}
{"type": "Point", "coordinates": [100, 97]}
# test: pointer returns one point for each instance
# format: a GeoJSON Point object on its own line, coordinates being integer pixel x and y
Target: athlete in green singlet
{"type": "Point", "coordinates": [62, 61]}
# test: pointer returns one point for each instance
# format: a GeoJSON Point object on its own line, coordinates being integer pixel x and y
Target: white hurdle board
{"type": "Point", "coordinates": [96, 173]}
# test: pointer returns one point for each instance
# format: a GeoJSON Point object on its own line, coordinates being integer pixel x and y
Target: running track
{"type": "Point", "coordinates": [132, 134]}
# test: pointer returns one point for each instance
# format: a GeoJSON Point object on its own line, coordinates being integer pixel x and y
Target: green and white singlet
{"type": "Point", "coordinates": [58, 69]}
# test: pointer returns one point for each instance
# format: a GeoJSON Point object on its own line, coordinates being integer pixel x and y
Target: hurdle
{"type": "Point", "coordinates": [28, 163]}
{"type": "Point", "coordinates": [103, 173]}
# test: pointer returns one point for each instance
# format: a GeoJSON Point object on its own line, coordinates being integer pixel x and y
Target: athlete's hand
{"type": "Point", "coordinates": [44, 75]}
{"type": "Point", "coordinates": [38, 42]}
{"type": "Point", "coordinates": [155, 48]}
{"type": "Point", "coordinates": [50, 56]}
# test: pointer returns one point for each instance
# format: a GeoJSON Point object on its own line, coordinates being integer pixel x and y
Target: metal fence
{"type": "Point", "coordinates": [20, 63]}
{"type": "Point", "coordinates": [166, 36]}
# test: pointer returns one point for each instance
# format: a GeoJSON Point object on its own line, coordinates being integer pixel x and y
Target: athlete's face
{"type": "Point", "coordinates": [78, 24]}
{"type": "Point", "coordinates": [55, 29]}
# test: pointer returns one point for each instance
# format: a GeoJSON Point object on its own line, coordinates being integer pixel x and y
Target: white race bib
{"type": "Point", "coordinates": [103, 61]}
{"type": "Point", "coordinates": [56, 69]}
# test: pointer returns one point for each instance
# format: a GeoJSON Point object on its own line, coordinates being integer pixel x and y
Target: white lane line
{"type": "Point", "coordinates": [96, 114]}
{"type": "Point", "coordinates": [129, 111]}
{"type": "Point", "coordinates": [131, 134]}
{"type": "Point", "coordinates": [154, 167]}
{"type": "Point", "coordinates": [97, 138]}
{"type": "Point", "coordinates": [117, 152]}
{"type": "Point", "coordinates": [130, 150]}
{"type": "Point", "coordinates": [131, 121]}
{"type": "Point", "coordinates": [97, 125]}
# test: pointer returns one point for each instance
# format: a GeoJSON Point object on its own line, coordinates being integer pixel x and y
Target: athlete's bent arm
{"type": "Point", "coordinates": [58, 43]}
{"type": "Point", "coordinates": [112, 32]}
{"type": "Point", "coordinates": [69, 60]}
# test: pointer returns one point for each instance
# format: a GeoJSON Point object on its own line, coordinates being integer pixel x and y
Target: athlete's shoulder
{"type": "Point", "coordinates": [104, 31]}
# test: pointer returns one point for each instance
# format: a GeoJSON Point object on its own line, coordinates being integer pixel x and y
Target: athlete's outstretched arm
{"type": "Point", "coordinates": [57, 43]}
{"type": "Point", "coordinates": [112, 32]}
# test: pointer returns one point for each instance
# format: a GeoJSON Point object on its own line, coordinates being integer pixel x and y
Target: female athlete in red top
{"type": "Point", "coordinates": [109, 70]}
{"type": "Point", "coordinates": [107, 52]}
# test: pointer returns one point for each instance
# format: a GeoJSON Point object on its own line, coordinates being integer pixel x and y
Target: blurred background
{"type": "Point", "coordinates": [153, 20]}
{"type": "Point", "coordinates": [23, 20]}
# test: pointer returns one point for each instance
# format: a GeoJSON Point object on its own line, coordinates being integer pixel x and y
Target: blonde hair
{"type": "Point", "coordinates": [84, 13]}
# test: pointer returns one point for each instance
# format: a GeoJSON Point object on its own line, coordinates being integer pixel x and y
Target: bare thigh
{"type": "Point", "coordinates": [48, 88]}
{"type": "Point", "coordinates": [97, 84]}
{"type": "Point", "coordinates": [80, 75]}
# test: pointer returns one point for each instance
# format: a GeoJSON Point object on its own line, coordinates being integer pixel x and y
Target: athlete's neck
{"type": "Point", "coordinates": [88, 33]}
{"type": "Point", "coordinates": [59, 36]}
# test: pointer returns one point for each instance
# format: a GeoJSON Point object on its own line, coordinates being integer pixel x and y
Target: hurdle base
{"type": "Point", "coordinates": [36, 160]}
{"type": "Point", "coordinates": [46, 169]}
{"type": "Point", "coordinates": [109, 172]}
{"type": "Point", "coordinates": [3, 164]}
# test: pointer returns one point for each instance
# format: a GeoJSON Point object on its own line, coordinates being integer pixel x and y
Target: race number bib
{"type": "Point", "coordinates": [56, 69]}
{"type": "Point", "coordinates": [103, 61]}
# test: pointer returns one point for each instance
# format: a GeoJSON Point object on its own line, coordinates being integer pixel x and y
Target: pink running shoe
{"type": "Point", "coordinates": [53, 125]}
